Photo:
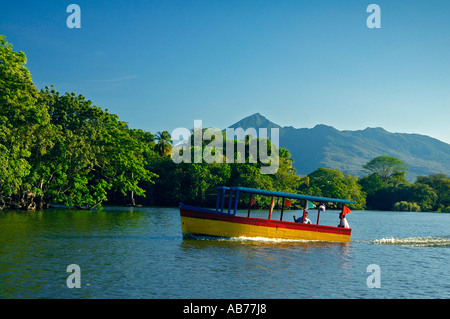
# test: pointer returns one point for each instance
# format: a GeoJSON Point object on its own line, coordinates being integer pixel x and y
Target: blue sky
{"type": "Point", "coordinates": [162, 64]}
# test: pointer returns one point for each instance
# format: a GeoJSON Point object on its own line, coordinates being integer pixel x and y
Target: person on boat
{"type": "Point", "coordinates": [322, 207]}
{"type": "Point", "coordinates": [299, 220]}
{"type": "Point", "coordinates": [307, 220]}
{"type": "Point", "coordinates": [343, 222]}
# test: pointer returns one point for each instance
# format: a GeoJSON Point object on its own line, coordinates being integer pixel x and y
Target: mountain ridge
{"type": "Point", "coordinates": [347, 151]}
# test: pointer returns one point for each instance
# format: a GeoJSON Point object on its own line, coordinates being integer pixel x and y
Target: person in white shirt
{"type": "Point", "coordinates": [343, 222]}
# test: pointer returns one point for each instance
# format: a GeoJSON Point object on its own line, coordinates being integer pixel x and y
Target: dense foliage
{"type": "Point", "coordinates": [58, 148]}
{"type": "Point", "coordinates": [61, 148]}
{"type": "Point", "coordinates": [387, 189]}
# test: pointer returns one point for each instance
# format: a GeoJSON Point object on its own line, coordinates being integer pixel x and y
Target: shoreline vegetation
{"type": "Point", "coordinates": [62, 149]}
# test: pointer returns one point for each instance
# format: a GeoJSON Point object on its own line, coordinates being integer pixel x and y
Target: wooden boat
{"type": "Point", "coordinates": [197, 221]}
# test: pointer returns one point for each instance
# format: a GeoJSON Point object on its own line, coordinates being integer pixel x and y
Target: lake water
{"type": "Point", "coordinates": [140, 253]}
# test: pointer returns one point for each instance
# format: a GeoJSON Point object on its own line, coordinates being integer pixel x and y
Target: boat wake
{"type": "Point", "coordinates": [271, 240]}
{"type": "Point", "coordinates": [415, 241]}
{"type": "Point", "coordinates": [262, 240]}
{"type": "Point", "coordinates": [250, 239]}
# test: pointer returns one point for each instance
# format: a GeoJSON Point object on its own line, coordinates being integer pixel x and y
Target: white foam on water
{"type": "Point", "coordinates": [252, 239]}
{"type": "Point", "coordinates": [415, 241]}
{"type": "Point", "coordinates": [270, 240]}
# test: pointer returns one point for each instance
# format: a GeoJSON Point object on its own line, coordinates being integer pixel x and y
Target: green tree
{"type": "Point", "coordinates": [332, 183]}
{"type": "Point", "coordinates": [285, 179]}
{"type": "Point", "coordinates": [249, 175]}
{"type": "Point", "coordinates": [21, 123]}
{"type": "Point", "coordinates": [440, 183]}
{"type": "Point", "coordinates": [371, 183]}
{"type": "Point", "coordinates": [164, 143]}
{"type": "Point", "coordinates": [93, 153]}
{"type": "Point", "coordinates": [423, 195]}
{"type": "Point", "coordinates": [386, 198]}
{"type": "Point", "coordinates": [390, 169]}
{"type": "Point", "coordinates": [404, 206]}
{"type": "Point", "coordinates": [386, 173]}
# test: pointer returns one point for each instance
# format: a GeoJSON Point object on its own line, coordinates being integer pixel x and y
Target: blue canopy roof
{"type": "Point", "coordinates": [287, 195]}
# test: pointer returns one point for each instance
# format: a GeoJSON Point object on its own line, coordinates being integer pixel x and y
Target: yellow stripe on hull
{"type": "Point", "coordinates": [198, 226]}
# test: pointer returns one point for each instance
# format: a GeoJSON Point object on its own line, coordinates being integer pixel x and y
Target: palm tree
{"type": "Point", "coordinates": [285, 158]}
{"type": "Point", "coordinates": [164, 145]}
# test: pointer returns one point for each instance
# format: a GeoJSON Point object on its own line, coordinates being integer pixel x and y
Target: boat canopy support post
{"type": "Point", "coordinates": [250, 205]}
{"type": "Point", "coordinates": [218, 200]}
{"type": "Point", "coordinates": [304, 211]}
{"type": "Point", "coordinates": [271, 207]}
{"type": "Point", "coordinates": [236, 200]}
{"type": "Point", "coordinates": [282, 208]}
{"type": "Point", "coordinates": [229, 202]}
{"type": "Point", "coordinates": [223, 199]}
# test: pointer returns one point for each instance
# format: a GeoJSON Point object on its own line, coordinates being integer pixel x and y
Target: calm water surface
{"type": "Point", "coordinates": [140, 253]}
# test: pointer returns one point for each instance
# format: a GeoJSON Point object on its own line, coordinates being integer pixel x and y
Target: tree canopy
{"type": "Point", "coordinates": [61, 148]}
{"type": "Point", "coordinates": [387, 167]}
{"type": "Point", "coordinates": [387, 188]}
{"type": "Point", "coordinates": [333, 183]}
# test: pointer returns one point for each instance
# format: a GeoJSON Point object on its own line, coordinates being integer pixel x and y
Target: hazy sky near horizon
{"type": "Point", "coordinates": [163, 64]}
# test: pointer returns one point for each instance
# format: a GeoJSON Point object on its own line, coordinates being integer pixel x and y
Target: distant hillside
{"type": "Point", "coordinates": [347, 151]}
